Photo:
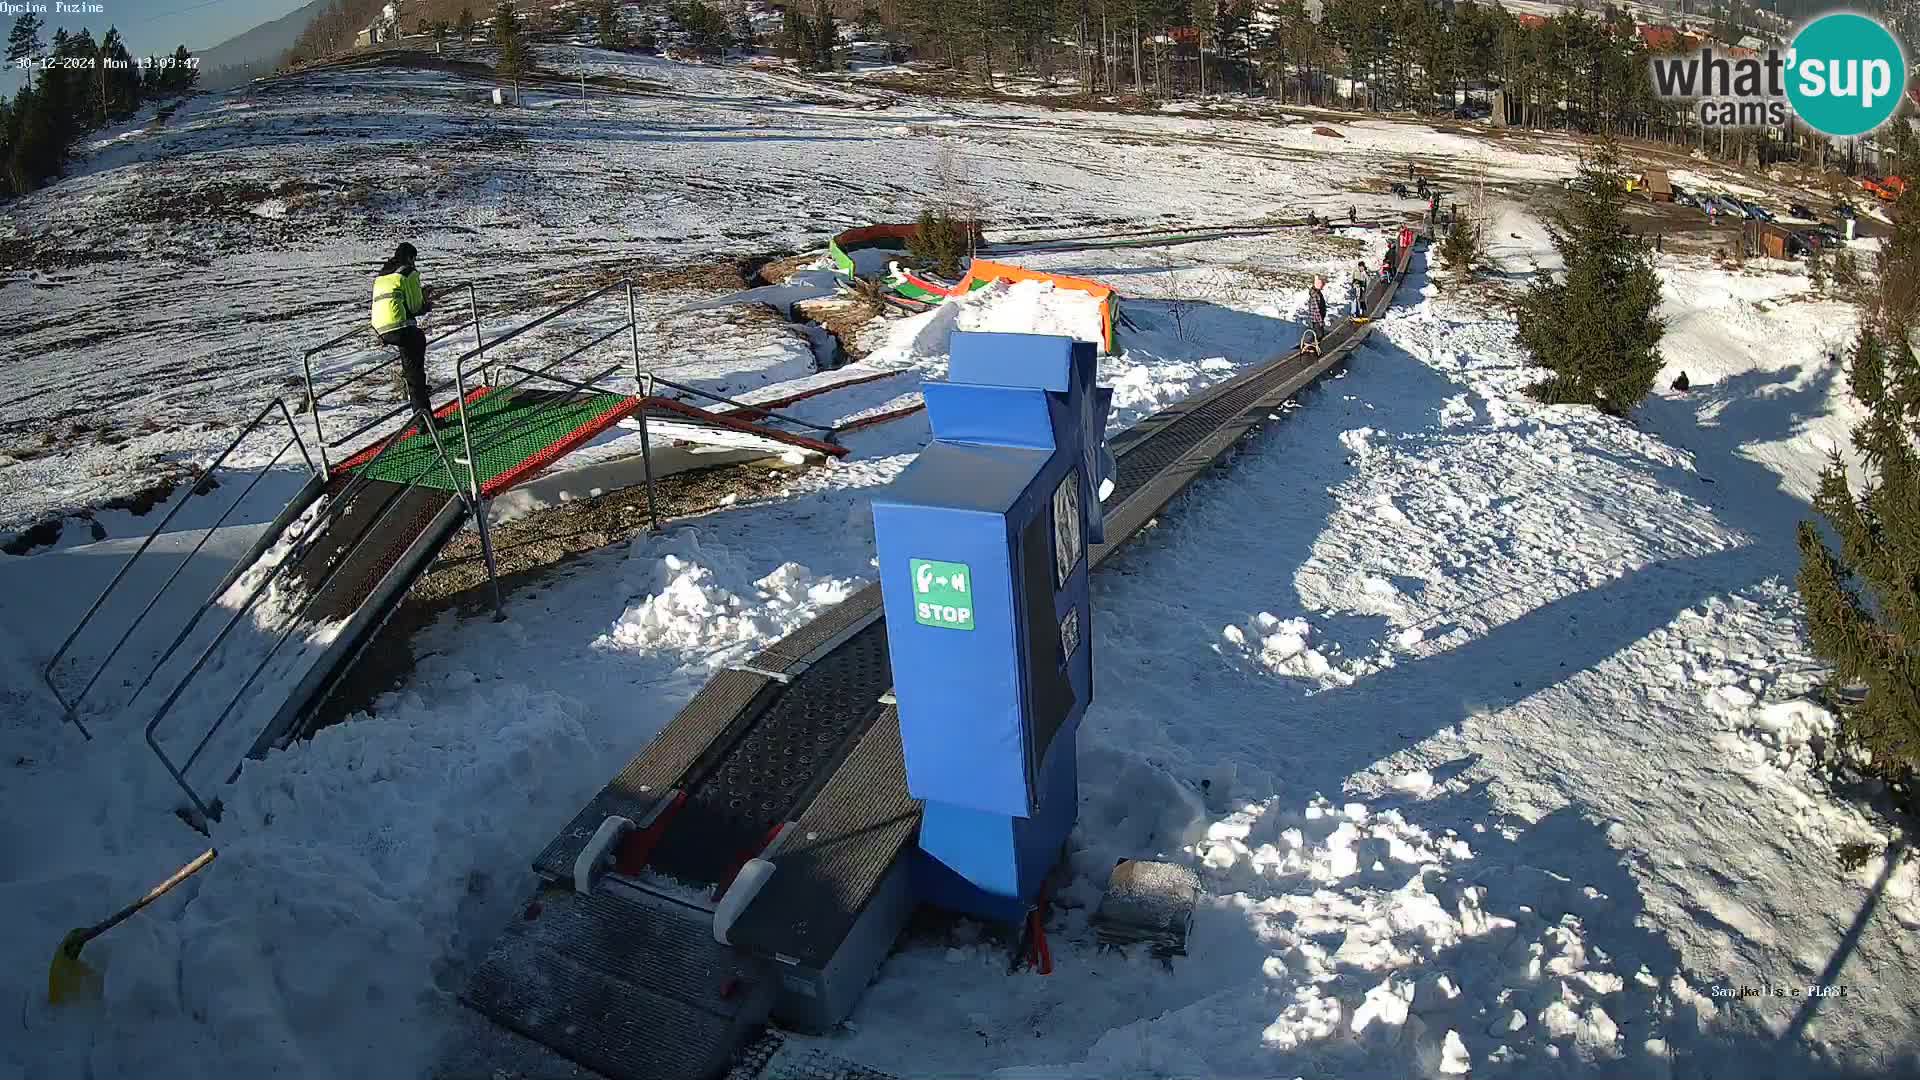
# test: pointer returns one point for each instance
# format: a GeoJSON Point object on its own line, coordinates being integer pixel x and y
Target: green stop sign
{"type": "Point", "coordinates": [942, 594]}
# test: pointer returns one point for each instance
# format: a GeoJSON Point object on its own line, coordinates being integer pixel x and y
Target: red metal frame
{"type": "Point", "coordinates": [637, 846]}
{"type": "Point", "coordinates": [372, 451]}
{"type": "Point", "coordinates": [567, 444]}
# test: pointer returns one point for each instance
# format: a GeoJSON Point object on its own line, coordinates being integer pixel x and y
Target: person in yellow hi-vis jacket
{"type": "Point", "coordinates": [397, 301]}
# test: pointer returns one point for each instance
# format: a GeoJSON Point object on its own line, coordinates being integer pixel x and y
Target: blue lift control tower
{"type": "Point", "coordinates": [983, 546]}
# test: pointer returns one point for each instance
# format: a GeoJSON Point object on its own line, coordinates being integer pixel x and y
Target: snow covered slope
{"type": "Point", "coordinates": [1483, 721]}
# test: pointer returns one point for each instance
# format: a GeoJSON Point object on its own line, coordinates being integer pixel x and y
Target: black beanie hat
{"type": "Point", "coordinates": [404, 253]}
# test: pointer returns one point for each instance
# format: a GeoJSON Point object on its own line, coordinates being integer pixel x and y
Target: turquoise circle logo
{"type": "Point", "coordinates": [1846, 74]}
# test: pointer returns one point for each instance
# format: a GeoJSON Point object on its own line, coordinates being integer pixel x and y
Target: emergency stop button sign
{"type": "Point", "coordinates": [942, 594]}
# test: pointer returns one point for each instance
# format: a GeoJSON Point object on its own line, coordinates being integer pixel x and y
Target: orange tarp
{"type": "Point", "coordinates": [984, 271]}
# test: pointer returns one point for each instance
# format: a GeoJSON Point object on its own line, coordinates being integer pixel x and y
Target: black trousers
{"type": "Point", "coordinates": [412, 343]}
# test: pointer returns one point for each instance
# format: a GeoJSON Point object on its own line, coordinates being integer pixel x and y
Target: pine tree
{"type": "Point", "coordinates": [1462, 247]}
{"type": "Point", "coordinates": [1595, 328]}
{"type": "Point", "coordinates": [506, 37]}
{"type": "Point", "coordinates": [612, 34]}
{"type": "Point", "coordinates": [1846, 272]}
{"type": "Point", "coordinates": [796, 37]}
{"type": "Point", "coordinates": [740, 26]}
{"type": "Point", "coordinates": [826, 34]}
{"type": "Point", "coordinates": [184, 73]}
{"type": "Point", "coordinates": [23, 41]}
{"type": "Point", "coordinates": [1863, 602]}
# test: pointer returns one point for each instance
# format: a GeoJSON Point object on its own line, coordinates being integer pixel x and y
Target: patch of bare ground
{"type": "Point", "coordinates": [844, 318]}
{"type": "Point", "coordinates": [541, 548]}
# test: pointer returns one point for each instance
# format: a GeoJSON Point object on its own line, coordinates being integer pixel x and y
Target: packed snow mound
{"type": "Point", "coordinates": [1280, 647]}
{"type": "Point", "coordinates": [692, 608]}
{"type": "Point", "coordinates": [1339, 933]}
{"type": "Point", "coordinates": [1032, 307]}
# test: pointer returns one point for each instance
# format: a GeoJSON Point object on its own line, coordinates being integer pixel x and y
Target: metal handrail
{"type": "Point", "coordinates": [320, 395]}
{"type": "Point", "coordinates": [466, 429]}
{"type": "Point", "coordinates": [72, 707]}
{"type": "Point", "coordinates": [542, 320]}
{"type": "Point", "coordinates": [343, 500]}
{"type": "Point", "coordinates": [300, 618]}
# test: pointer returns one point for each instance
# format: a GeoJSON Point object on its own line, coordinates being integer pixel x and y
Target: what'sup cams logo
{"type": "Point", "coordinates": [1842, 76]}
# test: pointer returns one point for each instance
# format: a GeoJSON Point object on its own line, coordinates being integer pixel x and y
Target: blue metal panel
{"type": "Point", "coordinates": [1029, 361]}
{"type": "Point", "coordinates": [958, 691]}
{"type": "Point", "coordinates": [992, 866]}
{"type": "Point", "coordinates": [988, 415]}
{"type": "Point", "coordinates": [958, 476]}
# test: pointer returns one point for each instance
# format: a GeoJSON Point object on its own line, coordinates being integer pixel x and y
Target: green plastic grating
{"type": "Point", "coordinates": [509, 429]}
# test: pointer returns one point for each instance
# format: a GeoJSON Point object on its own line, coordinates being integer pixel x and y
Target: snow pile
{"type": "Point", "coordinates": [1280, 646]}
{"type": "Point", "coordinates": [1033, 307]}
{"type": "Point", "coordinates": [1334, 940]}
{"type": "Point", "coordinates": [690, 609]}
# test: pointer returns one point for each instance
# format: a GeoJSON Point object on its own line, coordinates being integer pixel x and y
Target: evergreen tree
{"type": "Point", "coordinates": [1863, 601]}
{"type": "Point", "coordinates": [612, 34]}
{"type": "Point", "coordinates": [1594, 328]}
{"type": "Point", "coordinates": [1462, 247]}
{"type": "Point", "coordinates": [507, 38]}
{"type": "Point", "coordinates": [184, 73]}
{"type": "Point", "coordinates": [826, 34]}
{"type": "Point", "coordinates": [1846, 271]}
{"type": "Point", "coordinates": [1817, 268]}
{"type": "Point", "coordinates": [796, 37]}
{"type": "Point", "coordinates": [23, 41]}
{"type": "Point", "coordinates": [740, 27]}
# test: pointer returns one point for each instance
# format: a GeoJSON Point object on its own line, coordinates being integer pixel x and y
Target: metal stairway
{"type": "Point", "coordinates": [795, 757]}
{"type": "Point", "coordinates": [309, 597]}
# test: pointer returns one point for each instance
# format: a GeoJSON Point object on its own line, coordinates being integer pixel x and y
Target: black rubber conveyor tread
{"type": "Point", "coordinates": [843, 844]}
{"type": "Point", "coordinates": [775, 766]}
{"type": "Point", "coordinates": [408, 511]}
{"type": "Point", "coordinates": [689, 747]}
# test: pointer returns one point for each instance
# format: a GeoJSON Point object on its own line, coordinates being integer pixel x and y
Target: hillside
{"type": "Point", "coordinates": [1488, 726]}
{"type": "Point", "coordinates": [257, 51]}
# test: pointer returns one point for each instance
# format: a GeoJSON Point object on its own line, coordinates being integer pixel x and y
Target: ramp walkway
{"type": "Point", "coordinates": [795, 759]}
{"type": "Point", "coordinates": [249, 668]}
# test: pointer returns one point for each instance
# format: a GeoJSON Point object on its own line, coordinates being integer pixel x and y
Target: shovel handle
{"type": "Point", "coordinates": [153, 894]}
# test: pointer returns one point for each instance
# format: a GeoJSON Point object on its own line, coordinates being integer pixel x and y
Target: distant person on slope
{"type": "Point", "coordinates": [397, 300]}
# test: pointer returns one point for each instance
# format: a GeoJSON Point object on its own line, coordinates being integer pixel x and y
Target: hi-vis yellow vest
{"type": "Point", "coordinates": [396, 300]}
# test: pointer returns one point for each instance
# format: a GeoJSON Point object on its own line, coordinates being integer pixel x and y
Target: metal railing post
{"type": "Point", "coordinates": [313, 406]}
{"type": "Point", "coordinates": [479, 343]}
{"type": "Point", "coordinates": [642, 389]}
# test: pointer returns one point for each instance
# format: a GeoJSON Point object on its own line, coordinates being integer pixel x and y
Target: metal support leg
{"type": "Point", "coordinates": [476, 505]}
{"type": "Point", "coordinates": [643, 387]}
{"type": "Point", "coordinates": [486, 552]}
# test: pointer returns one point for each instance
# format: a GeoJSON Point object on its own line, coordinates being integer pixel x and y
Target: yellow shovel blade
{"type": "Point", "coordinates": [69, 979]}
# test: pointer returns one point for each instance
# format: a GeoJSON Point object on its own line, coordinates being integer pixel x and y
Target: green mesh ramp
{"type": "Point", "coordinates": [509, 430]}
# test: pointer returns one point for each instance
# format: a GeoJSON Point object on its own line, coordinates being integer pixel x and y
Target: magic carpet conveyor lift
{"type": "Point", "coordinates": [913, 744]}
